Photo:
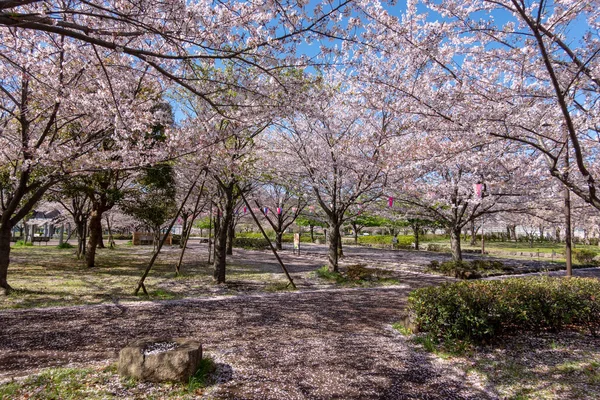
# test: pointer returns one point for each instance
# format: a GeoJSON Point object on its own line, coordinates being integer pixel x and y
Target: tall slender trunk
{"type": "Point", "coordinates": [312, 233]}
{"type": "Point", "coordinates": [416, 229]}
{"type": "Point", "coordinates": [183, 231]}
{"type": "Point", "coordinates": [334, 239]}
{"type": "Point", "coordinates": [340, 249]}
{"type": "Point", "coordinates": [230, 237]}
{"type": "Point", "coordinates": [474, 233]}
{"type": "Point", "coordinates": [220, 260]}
{"type": "Point", "coordinates": [4, 257]}
{"type": "Point", "coordinates": [455, 244]}
{"type": "Point", "coordinates": [95, 228]}
{"type": "Point", "coordinates": [279, 240]}
{"type": "Point", "coordinates": [222, 223]}
{"type": "Point", "coordinates": [81, 229]}
{"type": "Point", "coordinates": [355, 230]}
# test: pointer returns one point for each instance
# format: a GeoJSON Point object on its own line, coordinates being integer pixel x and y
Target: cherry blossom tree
{"type": "Point", "coordinates": [335, 149]}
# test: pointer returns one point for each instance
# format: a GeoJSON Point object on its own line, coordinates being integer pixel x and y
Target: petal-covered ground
{"type": "Point", "coordinates": [320, 344]}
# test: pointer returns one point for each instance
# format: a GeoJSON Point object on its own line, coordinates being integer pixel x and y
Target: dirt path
{"type": "Point", "coordinates": [304, 345]}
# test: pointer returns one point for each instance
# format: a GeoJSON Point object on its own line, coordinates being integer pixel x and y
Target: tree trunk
{"type": "Point", "coordinates": [220, 260]}
{"type": "Point", "coordinates": [340, 249]}
{"type": "Point", "coordinates": [279, 240]}
{"type": "Point", "coordinates": [416, 229]}
{"type": "Point", "coordinates": [81, 228]}
{"type": "Point", "coordinates": [231, 236]}
{"type": "Point", "coordinates": [95, 227]}
{"type": "Point", "coordinates": [222, 223]}
{"type": "Point", "coordinates": [334, 238]}
{"type": "Point", "coordinates": [4, 257]}
{"type": "Point", "coordinates": [455, 244]}
{"type": "Point", "coordinates": [312, 233]}
{"type": "Point", "coordinates": [474, 234]}
{"type": "Point", "coordinates": [100, 238]}
{"type": "Point", "coordinates": [183, 231]}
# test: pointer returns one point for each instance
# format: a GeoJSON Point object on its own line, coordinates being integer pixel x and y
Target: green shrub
{"type": "Point", "coordinates": [21, 243]}
{"type": "Point", "coordinates": [251, 243]}
{"type": "Point", "coordinates": [584, 256]}
{"type": "Point", "coordinates": [325, 273]}
{"type": "Point", "coordinates": [65, 245]}
{"type": "Point", "coordinates": [437, 247]}
{"type": "Point", "coordinates": [403, 240]}
{"type": "Point", "coordinates": [468, 269]}
{"type": "Point", "coordinates": [480, 310]}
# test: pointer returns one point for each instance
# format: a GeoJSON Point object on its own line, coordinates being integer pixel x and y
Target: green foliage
{"type": "Point", "coordinates": [437, 247]}
{"type": "Point", "coordinates": [304, 220]}
{"type": "Point", "coordinates": [584, 256]}
{"type": "Point", "coordinates": [21, 243]}
{"type": "Point", "coordinates": [325, 273]}
{"type": "Point", "coordinates": [356, 275]}
{"type": "Point", "coordinates": [154, 200]}
{"type": "Point", "coordinates": [403, 240]}
{"type": "Point", "coordinates": [59, 383]}
{"type": "Point", "coordinates": [251, 243]}
{"type": "Point", "coordinates": [65, 245]}
{"type": "Point", "coordinates": [480, 310]}
{"type": "Point", "coordinates": [201, 378]}
{"type": "Point", "coordinates": [468, 269]}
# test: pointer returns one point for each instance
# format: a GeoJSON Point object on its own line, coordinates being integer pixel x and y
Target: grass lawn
{"type": "Point", "coordinates": [45, 276]}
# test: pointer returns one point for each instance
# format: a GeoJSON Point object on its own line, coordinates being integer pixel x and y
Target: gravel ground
{"type": "Point", "coordinates": [308, 345]}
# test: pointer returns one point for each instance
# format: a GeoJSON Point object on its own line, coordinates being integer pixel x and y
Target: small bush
{"type": "Point", "coordinates": [65, 245]}
{"type": "Point", "coordinates": [437, 247]}
{"type": "Point", "coordinates": [21, 243]}
{"type": "Point", "coordinates": [480, 310]}
{"type": "Point", "coordinates": [325, 273]}
{"type": "Point", "coordinates": [584, 256]}
{"type": "Point", "coordinates": [251, 243]}
{"type": "Point", "coordinates": [468, 269]}
{"type": "Point", "coordinates": [403, 240]}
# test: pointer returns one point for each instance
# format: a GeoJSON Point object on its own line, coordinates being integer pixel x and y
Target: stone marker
{"type": "Point", "coordinates": [160, 359]}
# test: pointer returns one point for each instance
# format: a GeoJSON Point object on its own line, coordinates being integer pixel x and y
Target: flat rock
{"type": "Point", "coordinates": [160, 359]}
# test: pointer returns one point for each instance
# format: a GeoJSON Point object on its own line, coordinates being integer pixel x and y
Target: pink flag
{"type": "Point", "coordinates": [390, 201]}
{"type": "Point", "coordinates": [278, 210]}
{"type": "Point", "coordinates": [245, 209]}
{"type": "Point", "coordinates": [478, 188]}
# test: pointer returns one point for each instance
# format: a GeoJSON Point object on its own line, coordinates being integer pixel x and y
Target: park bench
{"type": "Point", "coordinates": [40, 239]}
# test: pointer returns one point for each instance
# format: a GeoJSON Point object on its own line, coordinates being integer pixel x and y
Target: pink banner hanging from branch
{"type": "Point", "coordinates": [390, 201]}
{"type": "Point", "coordinates": [278, 210]}
{"type": "Point", "coordinates": [478, 189]}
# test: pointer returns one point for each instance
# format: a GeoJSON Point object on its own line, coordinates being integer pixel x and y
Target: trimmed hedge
{"type": "Point", "coordinates": [469, 269]}
{"type": "Point", "coordinates": [480, 310]}
{"type": "Point", "coordinates": [251, 243]}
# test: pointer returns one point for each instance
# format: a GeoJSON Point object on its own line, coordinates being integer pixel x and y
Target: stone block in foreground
{"type": "Point", "coordinates": [160, 359]}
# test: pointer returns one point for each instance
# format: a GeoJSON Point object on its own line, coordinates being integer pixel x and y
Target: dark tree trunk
{"type": "Point", "coordinates": [95, 227]}
{"type": "Point", "coordinates": [4, 257]}
{"type": "Point", "coordinates": [183, 231]}
{"type": "Point", "coordinates": [100, 238]}
{"type": "Point", "coordinates": [416, 229]}
{"type": "Point", "coordinates": [334, 239]}
{"type": "Point", "coordinates": [340, 249]}
{"type": "Point", "coordinates": [455, 244]}
{"type": "Point", "coordinates": [222, 223]}
{"type": "Point", "coordinates": [279, 240]}
{"type": "Point", "coordinates": [355, 230]}
{"type": "Point", "coordinates": [81, 229]}
{"type": "Point", "coordinates": [230, 237]}
{"type": "Point", "coordinates": [312, 233]}
{"type": "Point", "coordinates": [473, 234]}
